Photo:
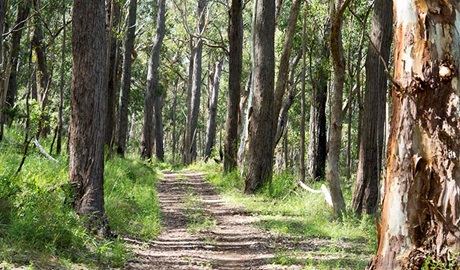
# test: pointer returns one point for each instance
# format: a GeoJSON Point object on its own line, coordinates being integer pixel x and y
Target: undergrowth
{"type": "Point", "coordinates": [286, 210]}
{"type": "Point", "coordinates": [38, 228]}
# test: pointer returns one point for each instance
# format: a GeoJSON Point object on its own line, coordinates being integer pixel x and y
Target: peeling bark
{"type": "Point", "coordinates": [421, 208]}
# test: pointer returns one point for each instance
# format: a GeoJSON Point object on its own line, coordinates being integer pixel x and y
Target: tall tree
{"type": "Point", "coordinates": [302, 95]}
{"type": "Point", "coordinates": [235, 56]}
{"type": "Point", "coordinates": [40, 59]}
{"type": "Point", "coordinates": [88, 110]}
{"type": "Point", "coordinates": [332, 174]}
{"type": "Point", "coordinates": [153, 85]}
{"type": "Point", "coordinates": [421, 207]}
{"type": "Point", "coordinates": [113, 19]}
{"type": "Point", "coordinates": [16, 35]}
{"type": "Point", "coordinates": [123, 110]}
{"type": "Point", "coordinates": [260, 159]}
{"type": "Point", "coordinates": [212, 109]}
{"type": "Point", "coordinates": [194, 93]}
{"type": "Point", "coordinates": [283, 70]}
{"type": "Point", "coordinates": [317, 147]}
{"type": "Point", "coordinates": [3, 89]}
{"type": "Point", "coordinates": [365, 197]}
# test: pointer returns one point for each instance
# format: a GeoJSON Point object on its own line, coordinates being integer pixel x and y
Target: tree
{"type": "Point", "coordinates": [213, 98]}
{"type": "Point", "coordinates": [126, 78]}
{"type": "Point", "coordinates": [365, 197]}
{"type": "Point", "coordinates": [113, 19]}
{"type": "Point", "coordinates": [332, 174]}
{"type": "Point", "coordinates": [153, 85]}
{"type": "Point", "coordinates": [194, 92]}
{"type": "Point", "coordinates": [3, 87]}
{"type": "Point", "coordinates": [235, 37]}
{"type": "Point", "coordinates": [302, 95]}
{"type": "Point", "coordinates": [88, 110]}
{"type": "Point", "coordinates": [23, 13]}
{"type": "Point", "coordinates": [260, 159]}
{"type": "Point", "coordinates": [283, 71]}
{"type": "Point", "coordinates": [40, 58]}
{"type": "Point", "coordinates": [421, 206]}
{"type": "Point", "coordinates": [317, 147]}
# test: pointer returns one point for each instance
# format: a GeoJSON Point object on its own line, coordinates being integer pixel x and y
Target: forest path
{"type": "Point", "coordinates": [200, 231]}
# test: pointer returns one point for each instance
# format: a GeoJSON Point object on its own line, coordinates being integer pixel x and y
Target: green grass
{"type": "Point", "coordinates": [38, 228]}
{"type": "Point", "coordinates": [287, 211]}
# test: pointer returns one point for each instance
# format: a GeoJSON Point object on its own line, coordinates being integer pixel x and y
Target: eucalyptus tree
{"type": "Point", "coordinates": [123, 104]}
{"type": "Point", "coordinates": [88, 110]}
{"type": "Point", "coordinates": [113, 20]}
{"type": "Point", "coordinates": [235, 55]}
{"type": "Point", "coordinates": [332, 174]}
{"type": "Point", "coordinates": [40, 57]}
{"type": "Point", "coordinates": [3, 86]}
{"type": "Point", "coordinates": [153, 89]}
{"type": "Point", "coordinates": [366, 193]}
{"type": "Point", "coordinates": [23, 10]}
{"type": "Point", "coordinates": [421, 206]}
{"type": "Point", "coordinates": [194, 91]}
{"type": "Point", "coordinates": [214, 86]}
{"type": "Point", "coordinates": [260, 158]}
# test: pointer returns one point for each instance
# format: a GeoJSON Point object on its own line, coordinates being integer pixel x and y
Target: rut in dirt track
{"type": "Point", "coordinates": [230, 243]}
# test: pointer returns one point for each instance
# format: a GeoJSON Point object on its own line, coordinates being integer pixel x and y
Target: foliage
{"type": "Point", "coordinates": [38, 227]}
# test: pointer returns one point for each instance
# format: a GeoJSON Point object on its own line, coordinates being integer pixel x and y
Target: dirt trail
{"type": "Point", "coordinates": [230, 242]}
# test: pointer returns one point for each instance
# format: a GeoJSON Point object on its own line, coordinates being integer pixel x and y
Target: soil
{"type": "Point", "coordinates": [230, 242]}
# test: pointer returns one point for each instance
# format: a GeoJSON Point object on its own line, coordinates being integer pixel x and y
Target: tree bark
{"type": "Point", "coordinates": [123, 104]}
{"type": "Point", "coordinates": [153, 85]}
{"type": "Point", "coordinates": [283, 70]}
{"type": "Point", "coordinates": [260, 157]}
{"type": "Point", "coordinates": [317, 148]}
{"type": "Point", "coordinates": [421, 206]}
{"type": "Point", "coordinates": [16, 35]}
{"type": "Point", "coordinates": [3, 87]}
{"type": "Point", "coordinates": [88, 110]}
{"type": "Point", "coordinates": [212, 111]}
{"type": "Point", "coordinates": [302, 95]}
{"type": "Point", "coordinates": [235, 37]}
{"type": "Point", "coordinates": [113, 70]}
{"type": "Point", "coordinates": [38, 44]}
{"type": "Point", "coordinates": [62, 85]}
{"type": "Point", "coordinates": [195, 98]}
{"type": "Point", "coordinates": [366, 193]}
{"type": "Point", "coordinates": [335, 139]}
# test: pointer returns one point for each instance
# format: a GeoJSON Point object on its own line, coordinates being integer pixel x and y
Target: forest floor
{"type": "Point", "coordinates": [201, 231]}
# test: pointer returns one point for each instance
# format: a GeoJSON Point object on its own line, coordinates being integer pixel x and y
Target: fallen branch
{"type": "Point", "coordinates": [324, 191]}
{"type": "Point", "coordinates": [43, 152]}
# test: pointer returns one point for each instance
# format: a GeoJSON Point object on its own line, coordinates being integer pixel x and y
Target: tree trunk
{"type": "Point", "coordinates": [211, 128]}
{"type": "Point", "coordinates": [235, 36]}
{"type": "Point", "coordinates": [173, 122]}
{"type": "Point", "coordinates": [195, 98]}
{"type": "Point", "coordinates": [3, 89]}
{"type": "Point", "coordinates": [23, 13]}
{"type": "Point", "coordinates": [283, 71]}
{"type": "Point", "coordinates": [62, 85]}
{"type": "Point", "coordinates": [317, 148]}
{"type": "Point", "coordinates": [88, 110]}
{"type": "Point", "coordinates": [123, 104]}
{"type": "Point", "coordinates": [366, 193]}
{"type": "Point", "coordinates": [421, 207]}
{"type": "Point", "coordinates": [113, 63]}
{"type": "Point", "coordinates": [335, 139]}
{"type": "Point", "coordinates": [38, 44]}
{"type": "Point", "coordinates": [153, 85]}
{"type": "Point", "coordinates": [302, 95]}
{"type": "Point", "coordinates": [260, 157]}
